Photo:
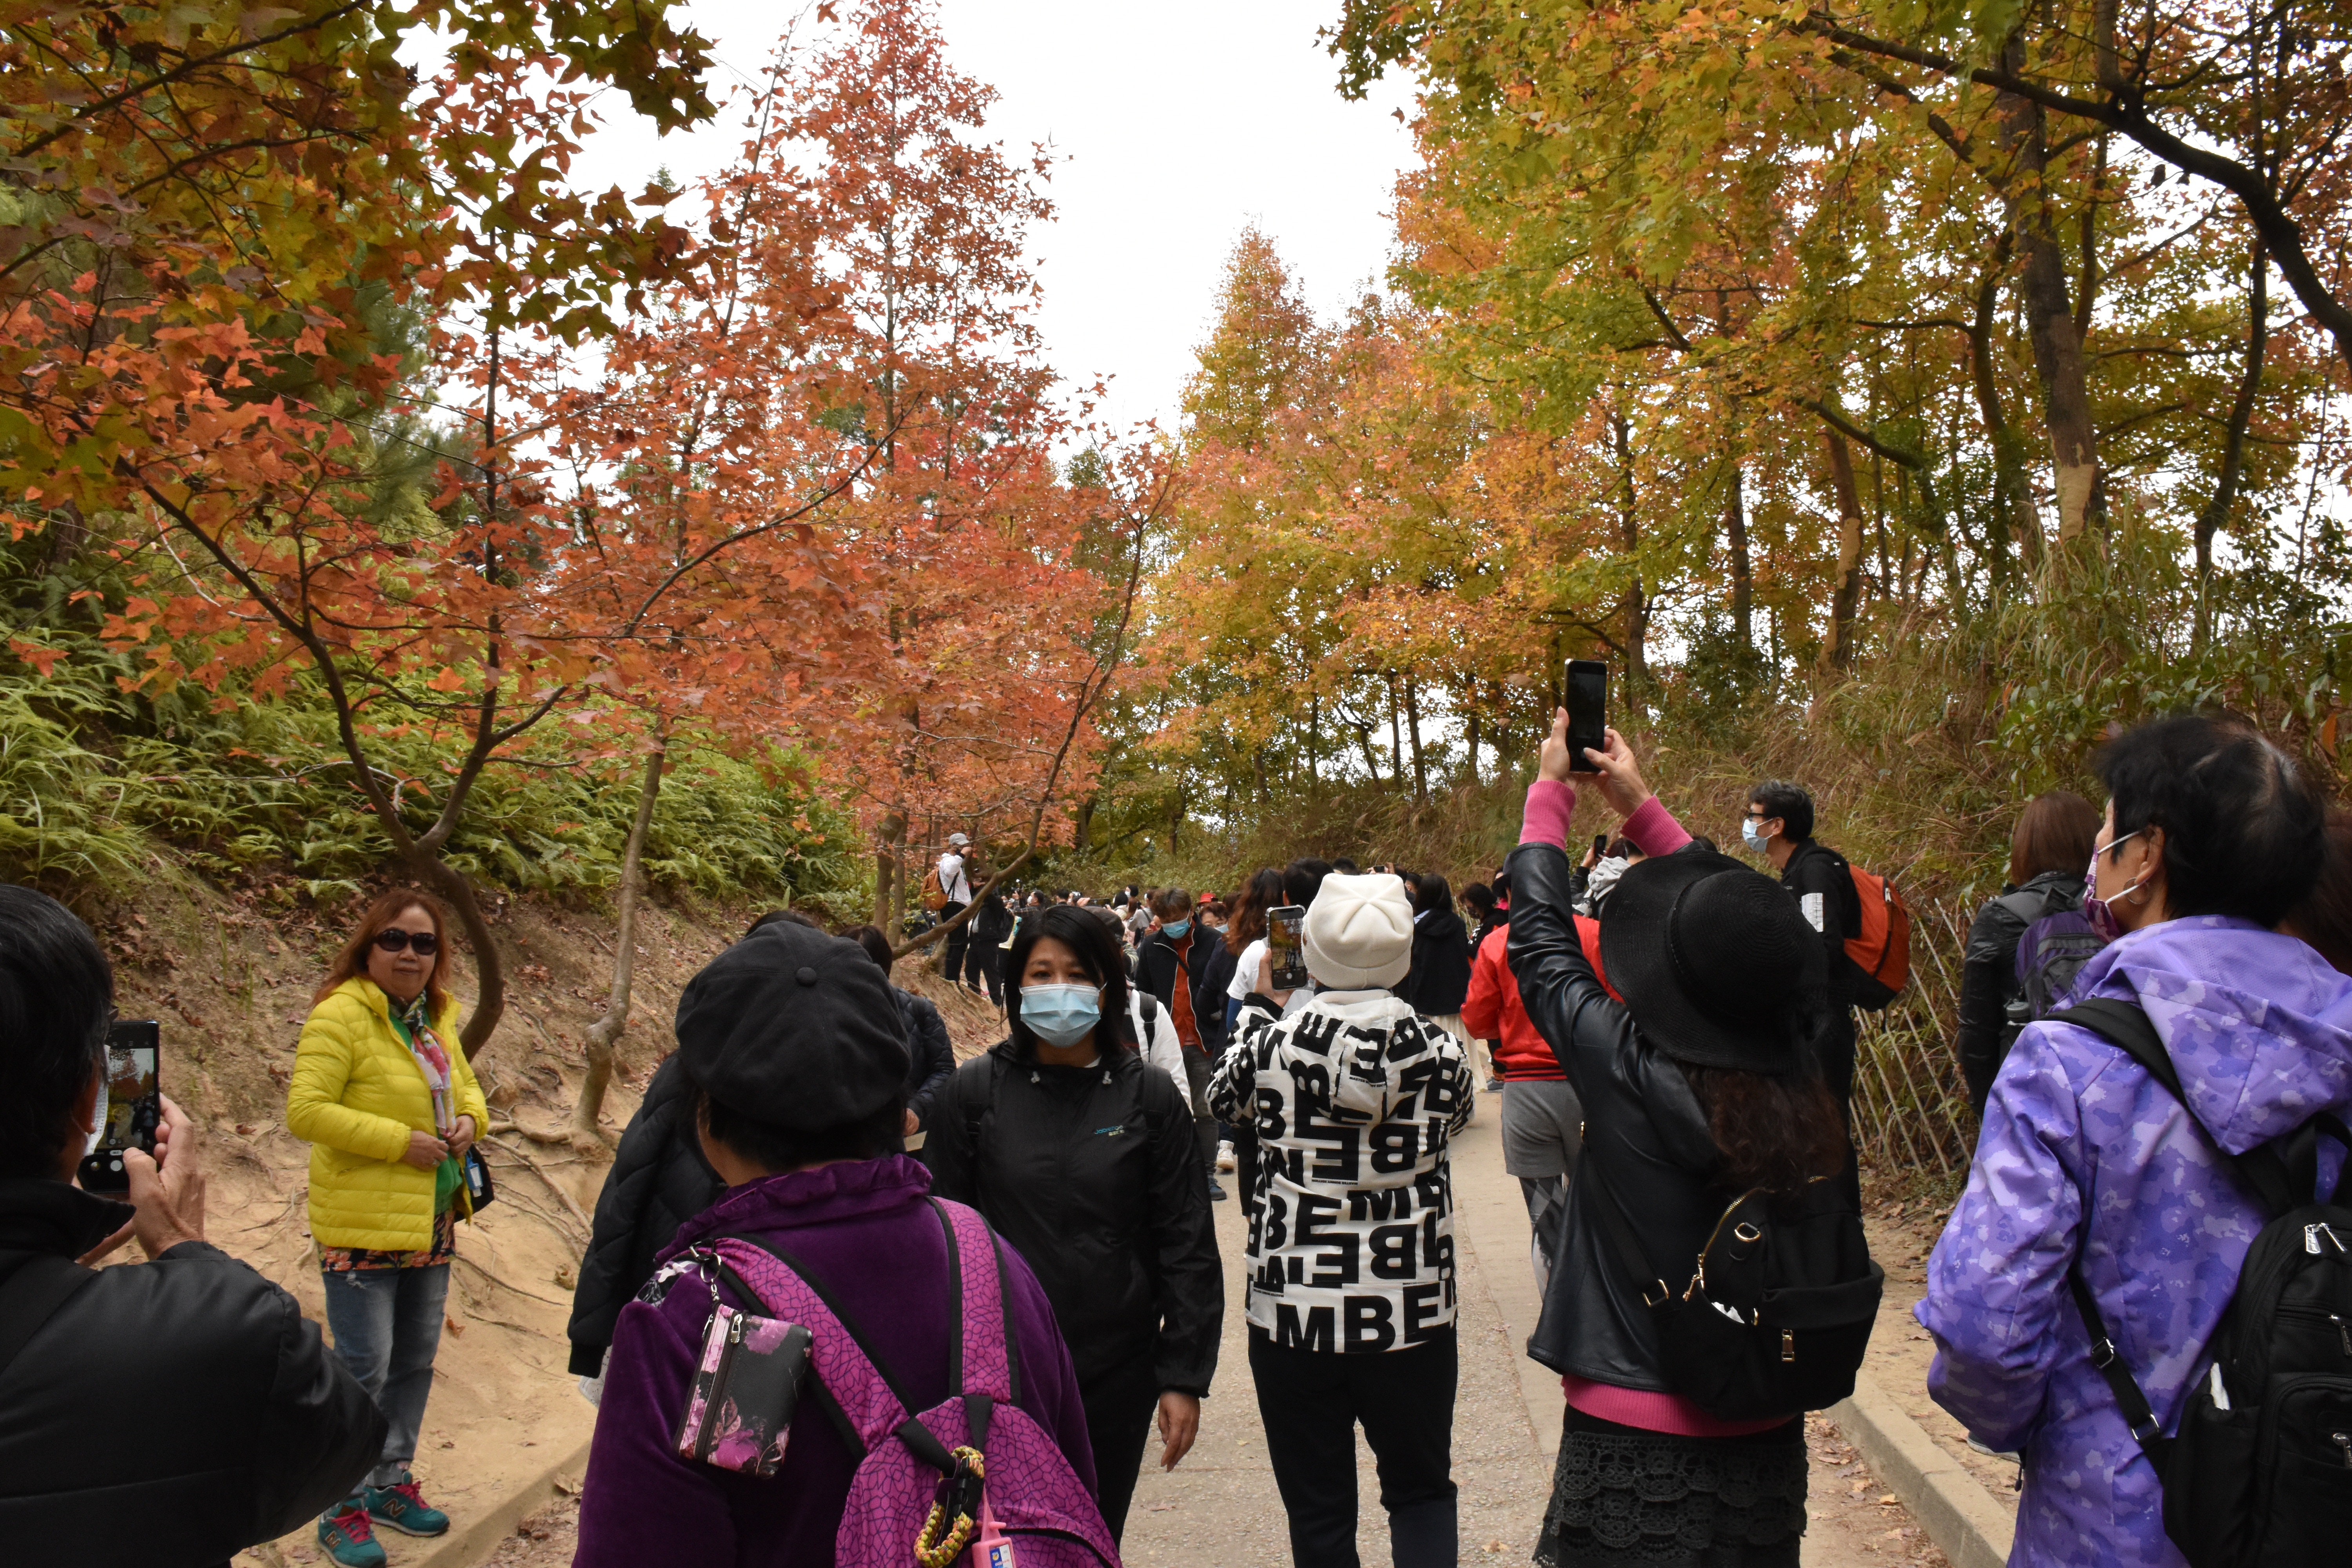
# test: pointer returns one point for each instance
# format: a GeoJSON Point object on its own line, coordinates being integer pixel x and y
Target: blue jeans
{"type": "Point", "coordinates": [387, 1327]}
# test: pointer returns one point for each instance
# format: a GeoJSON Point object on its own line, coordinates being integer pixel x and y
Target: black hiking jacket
{"type": "Point", "coordinates": [659, 1180]}
{"type": "Point", "coordinates": [1989, 980]}
{"type": "Point", "coordinates": [1815, 869]}
{"type": "Point", "coordinates": [167, 1414]}
{"type": "Point", "coordinates": [1094, 1177]}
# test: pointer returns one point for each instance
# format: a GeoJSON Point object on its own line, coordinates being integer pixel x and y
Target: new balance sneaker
{"type": "Point", "coordinates": [402, 1508]}
{"type": "Point", "coordinates": [1225, 1156]}
{"type": "Point", "coordinates": [350, 1540]}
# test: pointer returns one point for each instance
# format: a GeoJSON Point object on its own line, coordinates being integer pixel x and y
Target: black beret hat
{"type": "Point", "coordinates": [794, 1028]}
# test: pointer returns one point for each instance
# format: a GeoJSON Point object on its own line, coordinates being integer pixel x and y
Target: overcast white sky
{"type": "Point", "coordinates": [1177, 125]}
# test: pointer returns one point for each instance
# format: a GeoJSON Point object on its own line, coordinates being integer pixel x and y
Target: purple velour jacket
{"type": "Point", "coordinates": [2085, 1154]}
{"type": "Point", "coordinates": [864, 1232]}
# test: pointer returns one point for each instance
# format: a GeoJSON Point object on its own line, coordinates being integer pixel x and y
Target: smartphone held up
{"type": "Point", "coordinates": [1285, 945]}
{"type": "Point", "coordinates": [1587, 690]}
{"type": "Point", "coordinates": [130, 1105]}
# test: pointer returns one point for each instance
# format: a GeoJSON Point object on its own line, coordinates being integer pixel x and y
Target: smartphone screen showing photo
{"type": "Point", "coordinates": [131, 1104]}
{"type": "Point", "coordinates": [1588, 711]}
{"type": "Point", "coordinates": [1284, 925]}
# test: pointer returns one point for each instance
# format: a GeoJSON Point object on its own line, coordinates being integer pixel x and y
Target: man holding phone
{"type": "Point", "coordinates": [176, 1412]}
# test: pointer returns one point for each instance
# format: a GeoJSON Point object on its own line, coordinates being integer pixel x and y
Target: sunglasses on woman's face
{"type": "Point", "coordinates": [392, 938]}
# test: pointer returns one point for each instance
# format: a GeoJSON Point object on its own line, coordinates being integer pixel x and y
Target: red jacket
{"type": "Point", "coordinates": [1492, 1010]}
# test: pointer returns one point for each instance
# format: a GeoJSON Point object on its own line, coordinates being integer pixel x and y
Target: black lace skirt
{"type": "Point", "coordinates": [1622, 1496]}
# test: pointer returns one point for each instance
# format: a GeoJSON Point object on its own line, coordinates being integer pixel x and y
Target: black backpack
{"type": "Point", "coordinates": [2057, 941]}
{"type": "Point", "coordinates": [2261, 1471]}
{"type": "Point", "coordinates": [1776, 1317]}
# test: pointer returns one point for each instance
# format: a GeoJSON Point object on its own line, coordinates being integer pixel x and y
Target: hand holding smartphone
{"type": "Point", "coordinates": [130, 1106]}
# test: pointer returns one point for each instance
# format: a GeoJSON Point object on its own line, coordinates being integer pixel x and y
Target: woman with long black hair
{"type": "Point", "coordinates": [1703, 1084]}
{"type": "Point", "coordinates": [1084, 1158]}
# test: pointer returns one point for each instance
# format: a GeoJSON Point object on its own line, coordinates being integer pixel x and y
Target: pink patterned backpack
{"type": "Point", "coordinates": [974, 1479]}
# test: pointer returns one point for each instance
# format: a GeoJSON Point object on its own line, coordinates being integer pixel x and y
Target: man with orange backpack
{"type": "Point", "coordinates": [1779, 826]}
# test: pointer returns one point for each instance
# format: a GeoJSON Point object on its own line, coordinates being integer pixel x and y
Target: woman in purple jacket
{"type": "Point", "coordinates": [794, 1044]}
{"type": "Point", "coordinates": [2211, 836]}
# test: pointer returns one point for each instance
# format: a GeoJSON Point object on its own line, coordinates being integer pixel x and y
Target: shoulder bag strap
{"type": "Point", "coordinates": [32, 1294]}
{"type": "Point", "coordinates": [1621, 1234]}
{"type": "Point", "coordinates": [847, 1369]}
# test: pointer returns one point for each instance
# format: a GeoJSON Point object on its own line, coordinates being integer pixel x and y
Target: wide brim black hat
{"type": "Point", "coordinates": [1716, 963]}
{"type": "Point", "coordinates": [794, 1028]}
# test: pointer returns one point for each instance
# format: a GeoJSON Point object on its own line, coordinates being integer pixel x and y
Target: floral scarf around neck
{"type": "Point", "coordinates": [415, 1022]}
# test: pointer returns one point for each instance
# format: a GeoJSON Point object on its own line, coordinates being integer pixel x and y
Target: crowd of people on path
{"type": "Point", "coordinates": [808, 1344]}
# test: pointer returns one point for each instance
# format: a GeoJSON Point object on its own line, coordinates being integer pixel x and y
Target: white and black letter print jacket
{"type": "Point", "coordinates": [1354, 1099]}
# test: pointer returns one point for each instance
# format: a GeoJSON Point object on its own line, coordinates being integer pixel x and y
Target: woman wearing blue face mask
{"type": "Point", "coordinates": [1084, 1160]}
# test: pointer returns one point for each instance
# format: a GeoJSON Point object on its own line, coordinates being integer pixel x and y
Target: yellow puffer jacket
{"type": "Point", "coordinates": [357, 1094]}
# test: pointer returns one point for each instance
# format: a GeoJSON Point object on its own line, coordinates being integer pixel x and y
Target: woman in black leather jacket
{"type": "Point", "coordinates": [1702, 1084]}
{"type": "Point", "coordinates": [2048, 853]}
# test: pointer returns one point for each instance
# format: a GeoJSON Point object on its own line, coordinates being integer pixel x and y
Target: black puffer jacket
{"type": "Point", "coordinates": [169, 1414]}
{"type": "Point", "coordinates": [1643, 1129]}
{"type": "Point", "coordinates": [1094, 1176]}
{"type": "Point", "coordinates": [1440, 977]}
{"type": "Point", "coordinates": [1815, 869]}
{"type": "Point", "coordinates": [929, 1056]}
{"type": "Point", "coordinates": [659, 1180]}
{"type": "Point", "coordinates": [1988, 970]}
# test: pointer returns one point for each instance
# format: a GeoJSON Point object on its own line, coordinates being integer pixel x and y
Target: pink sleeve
{"type": "Point", "coordinates": [1655, 829]}
{"type": "Point", "coordinates": [1551, 804]}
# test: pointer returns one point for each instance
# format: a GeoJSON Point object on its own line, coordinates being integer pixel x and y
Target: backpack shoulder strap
{"type": "Point", "coordinates": [984, 1368]}
{"type": "Point", "coordinates": [1149, 1004]}
{"type": "Point", "coordinates": [32, 1294]}
{"type": "Point", "coordinates": [2025, 905]}
{"type": "Point", "coordinates": [849, 1373]}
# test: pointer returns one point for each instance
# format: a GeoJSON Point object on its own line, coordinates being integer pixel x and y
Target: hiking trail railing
{"type": "Point", "coordinates": [1911, 1112]}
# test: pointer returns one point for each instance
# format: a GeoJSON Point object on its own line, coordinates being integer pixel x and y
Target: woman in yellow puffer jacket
{"type": "Point", "coordinates": [382, 1094]}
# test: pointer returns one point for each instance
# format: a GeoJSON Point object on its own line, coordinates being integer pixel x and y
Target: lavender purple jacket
{"type": "Point", "coordinates": [2085, 1154]}
{"type": "Point", "coordinates": [864, 1229]}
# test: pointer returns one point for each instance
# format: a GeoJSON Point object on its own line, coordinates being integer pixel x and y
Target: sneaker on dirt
{"type": "Point", "coordinates": [402, 1508]}
{"type": "Point", "coordinates": [350, 1540]}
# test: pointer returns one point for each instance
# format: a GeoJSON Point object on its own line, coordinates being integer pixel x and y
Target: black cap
{"type": "Point", "coordinates": [794, 1028]}
{"type": "Point", "coordinates": [1716, 964]}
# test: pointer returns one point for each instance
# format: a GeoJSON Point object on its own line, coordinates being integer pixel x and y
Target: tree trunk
{"type": "Point", "coordinates": [2049, 309]}
{"type": "Point", "coordinates": [1396, 734]}
{"type": "Point", "coordinates": [1837, 649]}
{"type": "Point", "coordinates": [888, 899]}
{"type": "Point", "coordinates": [1632, 604]}
{"type": "Point", "coordinates": [605, 1032]}
{"type": "Point", "coordinates": [2014, 511]}
{"type": "Point", "coordinates": [2215, 513]}
{"type": "Point", "coordinates": [1743, 577]}
{"type": "Point", "coordinates": [1473, 705]}
{"type": "Point", "coordinates": [1413, 719]}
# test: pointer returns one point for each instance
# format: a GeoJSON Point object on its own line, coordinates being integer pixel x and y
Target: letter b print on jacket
{"type": "Point", "coordinates": [1355, 1100]}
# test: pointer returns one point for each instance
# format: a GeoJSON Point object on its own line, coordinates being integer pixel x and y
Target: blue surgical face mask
{"type": "Point", "coordinates": [1176, 927]}
{"type": "Point", "coordinates": [1061, 1014]}
{"type": "Point", "coordinates": [1749, 835]}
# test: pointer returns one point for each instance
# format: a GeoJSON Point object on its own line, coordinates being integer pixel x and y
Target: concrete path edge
{"type": "Point", "coordinates": [468, 1543]}
{"type": "Point", "coordinates": [1959, 1514]}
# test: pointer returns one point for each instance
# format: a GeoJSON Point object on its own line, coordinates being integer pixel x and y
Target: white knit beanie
{"type": "Point", "coordinates": [1358, 932]}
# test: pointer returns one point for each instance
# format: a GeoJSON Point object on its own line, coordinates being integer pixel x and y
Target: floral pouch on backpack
{"type": "Point", "coordinates": [747, 1383]}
